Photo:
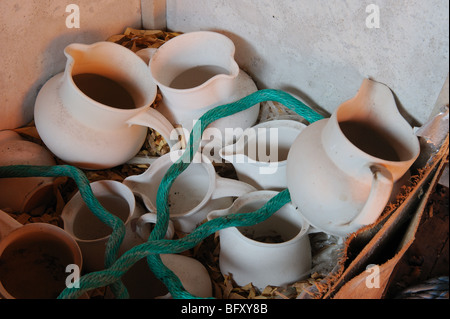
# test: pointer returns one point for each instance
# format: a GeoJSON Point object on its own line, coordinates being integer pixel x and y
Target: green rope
{"type": "Point", "coordinates": [156, 245]}
{"type": "Point", "coordinates": [118, 227]}
{"type": "Point", "coordinates": [165, 246]}
{"type": "Point", "coordinates": [154, 261]}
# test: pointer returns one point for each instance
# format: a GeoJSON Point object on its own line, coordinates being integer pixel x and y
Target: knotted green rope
{"type": "Point", "coordinates": [156, 244]}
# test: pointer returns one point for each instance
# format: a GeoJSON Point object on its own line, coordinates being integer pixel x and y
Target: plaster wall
{"type": "Point", "coordinates": [321, 50]}
{"type": "Point", "coordinates": [318, 50]}
{"type": "Point", "coordinates": [33, 35]}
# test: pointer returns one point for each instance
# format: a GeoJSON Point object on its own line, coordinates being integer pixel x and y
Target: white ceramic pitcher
{"type": "Point", "coordinates": [341, 171]}
{"type": "Point", "coordinates": [274, 252]}
{"type": "Point", "coordinates": [195, 72]}
{"type": "Point", "coordinates": [194, 193]}
{"type": "Point", "coordinates": [92, 234]}
{"type": "Point", "coordinates": [82, 118]}
{"type": "Point", "coordinates": [260, 153]}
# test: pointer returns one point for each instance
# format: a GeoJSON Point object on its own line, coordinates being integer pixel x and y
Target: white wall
{"type": "Point", "coordinates": [322, 49]}
{"type": "Point", "coordinates": [318, 49]}
{"type": "Point", "coordinates": [33, 35]}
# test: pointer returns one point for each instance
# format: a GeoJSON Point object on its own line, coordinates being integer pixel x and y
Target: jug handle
{"type": "Point", "coordinates": [155, 120]}
{"type": "Point", "coordinates": [151, 117]}
{"type": "Point", "coordinates": [380, 193]}
{"type": "Point", "coordinates": [150, 218]}
{"type": "Point", "coordinates": [7, 224]}
{"type": "Point", "coordinates": [226, 187]}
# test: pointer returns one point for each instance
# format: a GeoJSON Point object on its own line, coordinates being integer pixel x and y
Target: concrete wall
{"type": "Point", "coordinates": [33, 35]}
{"type": "Point", "coordinates": [321, 50]}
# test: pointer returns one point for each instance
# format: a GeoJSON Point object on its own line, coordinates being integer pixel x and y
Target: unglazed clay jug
{"type": "Point", "coordinates": [274, 252]}
{"type": "Point", "coordinates": [195, 72]}
{"type": "Point", "coordinates": [259, 155]}
{"type": "Point", "coordinates": [341, 170]}
{"type": "Point", "coordinates": [95, 114]}
{"type": "Point", "coordinates": [196, 191]}
{"type": "Point", "coordinates": [34, 259]}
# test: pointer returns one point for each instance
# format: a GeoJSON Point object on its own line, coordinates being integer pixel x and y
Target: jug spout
{"type": "Point", "coordinates": [75, 51]}
{"type": "Point", "coordinates": [78, 56]}
{"type": "Point", "coordinates": [105, 80]}
{"type": "Point", "coordinates": [373, 104]}
{"type": "Point", "coordinates": [196, 70]}
{"type": "Point", "coordinates": [370, 129]}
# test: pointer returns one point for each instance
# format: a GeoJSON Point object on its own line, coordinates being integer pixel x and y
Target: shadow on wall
{"type": "Point", "coordinates": [53, 61]}
{"type": "Point", "coordinates": [256, 61]}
